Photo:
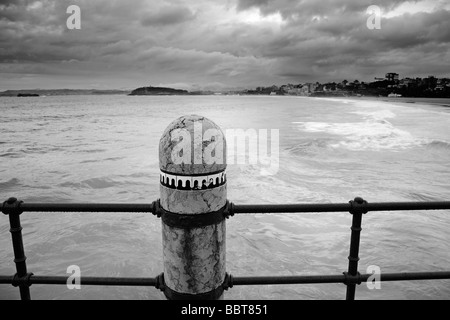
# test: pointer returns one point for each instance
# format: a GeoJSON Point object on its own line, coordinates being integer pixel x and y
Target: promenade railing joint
{"type": "Point", "coordinates": [349, 279]}
{"type": "Point", "coordinates": [160, 284]}
{"type": "Point", "coordinates": [229, 210]}
{"type": "Point", "coordinates": [227, 282]}
{"type": "Point", "coordinates": [157, 209]}
{"type": "Point", "coordinates": [358, 206]}
{"type": "Point", "coordinates": [24, 281]}
{"type": "Point", "coordinates": [12, 206]}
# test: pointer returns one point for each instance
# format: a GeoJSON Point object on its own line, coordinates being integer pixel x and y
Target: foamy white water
{"type": "Point", "coordinates": [105, 149]}
{"type": "Point", "coordinates": [374, 132]}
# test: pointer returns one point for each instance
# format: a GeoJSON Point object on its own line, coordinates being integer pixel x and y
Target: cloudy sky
{"type": "Point", "coordinates": [214, 44]}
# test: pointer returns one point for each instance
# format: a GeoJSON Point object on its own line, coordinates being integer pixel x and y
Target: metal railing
{"type": "Point", "coordinates": [350, 278]}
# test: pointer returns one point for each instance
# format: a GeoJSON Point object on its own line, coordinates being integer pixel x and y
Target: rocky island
{"type": "Point", "coordinates": [157, 91]}
{"type": "Point", "coordinates": [59, 92]}
{"type": "Point", "coordinates": [28, 95]}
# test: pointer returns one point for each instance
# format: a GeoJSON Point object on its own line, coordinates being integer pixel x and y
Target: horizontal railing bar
{"type": "Point", "coordinates": [340, 207]}
{"type": "Point", "coordinates": [405, 276]}
{"type": "Point", "coordinates": [237, 209]}
{"type": "Point", "coordinates": [238, 281]}
{"type": "Point", "coordinates": [406, 206]}
{"type": "Point", "coordinates": [290, 208]}
{"type": "Point", "coordinates": [339, 278]}
{"type": "Point", "coordinates": [96, 281]}
{"type": "Point", "coordinates": [273, 280]}
{"type": "Point", "coordinates": [86, 207]}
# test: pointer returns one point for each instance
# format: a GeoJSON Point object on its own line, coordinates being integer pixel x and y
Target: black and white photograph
{"type": "Point", "coordinates": [240, 151]}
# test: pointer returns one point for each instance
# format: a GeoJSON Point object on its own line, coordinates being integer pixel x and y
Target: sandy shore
{"type": "Point", "coordinates": [444, 102]}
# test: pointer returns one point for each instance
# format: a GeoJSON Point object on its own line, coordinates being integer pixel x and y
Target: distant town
{"type": "Point", "coordinates": [389, 86]}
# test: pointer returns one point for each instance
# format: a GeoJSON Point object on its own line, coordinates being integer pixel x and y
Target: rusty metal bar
{"type": "Point", "coordinates": [237, 209]}
{"type": "Point", "coordinates": [346, 279]}
{"type": "Point", "coordinates": [11, 207]}
{"type": "Point", "coordinates": [339, 207]}
{"type": "Point", "coordinates": [358, 208]}
{"type": "Point", "coordinates": [235, 281]}
{"type": "Point", "coordinates": [86, 207]}
{"type": "Point", "coordinates": [95, 281]}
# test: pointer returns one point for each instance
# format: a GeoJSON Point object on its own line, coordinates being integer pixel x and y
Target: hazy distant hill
{"type": "Point", "coordinates": [157, 91]}
{"type": "Point", "coordinates": [60, 92]}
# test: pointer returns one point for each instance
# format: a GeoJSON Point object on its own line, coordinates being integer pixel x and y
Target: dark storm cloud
{"type": "Point", "coordinates": [9, 2]}
{"type": "Point", "coordinates": [231, 43]}
{"type": "Point", "coordinates": [326, 38]}
{"type": "Point", "coordinates": [246, 4]}
{"type": "Point", "coordinates": [168, 16]}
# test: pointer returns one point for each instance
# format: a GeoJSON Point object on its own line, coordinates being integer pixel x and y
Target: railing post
{"type": "Point", "coordinates": [358, 208]}
{"type": "Point", "coordinates": [11, 207]}
{"type": "Point", "coordinates": [193, 188]}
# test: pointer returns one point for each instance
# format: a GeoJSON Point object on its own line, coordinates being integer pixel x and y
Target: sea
{"type": "Point", "coordinates": [104, 149]}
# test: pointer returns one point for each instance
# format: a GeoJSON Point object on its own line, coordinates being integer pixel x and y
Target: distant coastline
{"type": "Point", "coordinates": [159, 91]}
{"type": "Point", "coordinates": [59, 92]}
{"type": "Point", "coordinates": [431, 89]}
{"type": "Point", "coordinates": [153, 91]}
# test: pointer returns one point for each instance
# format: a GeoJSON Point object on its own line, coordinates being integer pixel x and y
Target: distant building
{"type": "Point", "coordinates": [300, 91]}
{"type": "Point", "coordinates": [392, 76]}
{"type": "Point", "coordinates": [430, 82]}
{"type": "Point", "coordinates": [442, 83]}
{"type": "Point", "coordinates": [296, 92]}
{"type": "Point", "coordinates": [286, 87]}
{"type": "Point", "coordinates": [312, 86]}
{"type": "Point", "coordinates": [329, 87]}
{"type": "Point", "coordinates": [408, 82]}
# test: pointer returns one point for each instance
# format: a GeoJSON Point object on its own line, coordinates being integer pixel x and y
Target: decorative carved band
{"type": "Point", "coordinates": [195, 182]}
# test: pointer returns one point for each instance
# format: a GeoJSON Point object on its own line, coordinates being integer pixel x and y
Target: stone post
{"type": "Point", "coordinates": [193, 195]}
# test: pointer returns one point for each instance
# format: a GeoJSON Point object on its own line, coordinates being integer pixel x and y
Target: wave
{"type": "Point", "coordinates": [415, 196]}
{"type": "Point", "coordinates": [374, 133]}
{"type": "Point", "coordinates": [10, 155]}
{"type": "Point", "coordinates": [341, 100]}
{"type": "Point", "coordinates": [121, 182]}
{"type": "Point", "coordinates": [309, 146]}
{"type": "Point", "coordinates": [91, 151]}
{"type": "Point", "coordinates": [379, 115]}
{"type": "Point", "coordinates": [102, 160]}
{"type": "Point", "coordinates": [438, 144]}
{"type": "Point", "coordinates": [9, 184]}
{"type": "Point", "coordinates": [18, 153]}
{"type": "Point", "coordinates": [94, 183]}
